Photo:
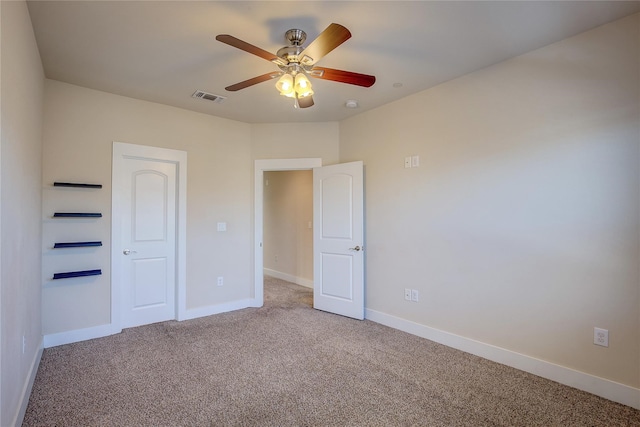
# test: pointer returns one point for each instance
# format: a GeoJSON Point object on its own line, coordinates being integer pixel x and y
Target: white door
{"type": "Point", "coordinates": [148, 241]}
{"type": "Point", "coordinates": [338, 237]}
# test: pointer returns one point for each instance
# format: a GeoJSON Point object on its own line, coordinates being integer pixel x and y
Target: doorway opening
{"type": "Point", "coordinates": [338, 233]}
{"type": "Point", "coordinates": [262, 167]}
{"type": "Point", "coordinates": [288, 228]}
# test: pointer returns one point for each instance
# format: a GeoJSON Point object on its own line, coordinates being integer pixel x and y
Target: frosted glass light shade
{"type": "Point", "coordinates": [303, 86]}
{"type": "Point", "coordinates": [285, 85]}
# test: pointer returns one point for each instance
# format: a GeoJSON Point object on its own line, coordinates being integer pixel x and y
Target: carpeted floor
{"type": "Point", "coordinates": [286, 364]}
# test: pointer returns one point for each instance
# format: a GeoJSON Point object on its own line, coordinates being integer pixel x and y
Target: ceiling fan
{"type": "Point", "coordinates": [296, 63]}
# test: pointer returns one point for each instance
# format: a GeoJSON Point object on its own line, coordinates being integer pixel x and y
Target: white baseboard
{"type": "Point", "coordinates": [28, 386]}
{"type": "Point", "coordinates": [68, 337]}
{"type": "Point", "coordinates": [256, 302]}
{"type": "Point", "coordinates": [209, 310]}
{"type": "Point", "coordinates": [289, 278]}
{"type": "Point", "coordinates": [599, 386]}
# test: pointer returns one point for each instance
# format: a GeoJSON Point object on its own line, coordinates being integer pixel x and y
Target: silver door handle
{"type": "Point", "coordinates": [357, 248]}
{"type": "Point", "coordinates": [127, 252]}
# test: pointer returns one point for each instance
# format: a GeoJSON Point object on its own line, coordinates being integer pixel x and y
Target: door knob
{"type": "Point", "coordinates": [127, 252]}
{"type": "Point", "coordinates": [357, 248]}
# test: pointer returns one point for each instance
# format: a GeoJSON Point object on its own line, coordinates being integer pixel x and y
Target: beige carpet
{"type": "Point", "coordinates": [288, 365]}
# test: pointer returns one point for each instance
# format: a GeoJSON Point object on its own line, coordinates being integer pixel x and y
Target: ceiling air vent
{"type": "Point", "coordinates": [208, 96]}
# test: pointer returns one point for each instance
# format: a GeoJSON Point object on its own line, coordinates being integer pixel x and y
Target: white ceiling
{"type": "Point", "coordinates": [163, 51]}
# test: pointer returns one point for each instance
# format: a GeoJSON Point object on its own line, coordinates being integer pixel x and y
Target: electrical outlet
{"type": "Point", "coordinates": [407, 294]}
{"type": "Point", "coordinates": [415, 161]}
{"type": "Point", "coordinates": [220, 280]}
{"type": "Point", "coordinates": [601, 337]}
{"type": "Point", "coordinates": [415, 295]}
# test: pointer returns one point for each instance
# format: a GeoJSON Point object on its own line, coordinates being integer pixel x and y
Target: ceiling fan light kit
{"type": "Point", "coordinates": [296, 63]}
{"type": "Point", "coordinates": [294, 84]}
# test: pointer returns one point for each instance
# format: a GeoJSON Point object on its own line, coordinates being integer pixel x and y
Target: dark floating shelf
{"type": "Point", "coordinates": [76, 184]}
{"type": "Point", "coordinates": [76, 245]}
{"type": "Point", "coordinates": [77, 215]}
{"type": "Point", "coordinates": [71, 274]}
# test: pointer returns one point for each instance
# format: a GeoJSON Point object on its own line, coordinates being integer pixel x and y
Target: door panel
{"type": "Point", "coordinates": [337, 271]}
{"type": "Point", "coordinates": [149, 241]}
{"type": "Point", "coordinates": [150, 282]}
{"type": "Point", "coordinates": [337, 203]}
{"type": "Point", "coordinates": [338, 237]}
{"type": "Point", "coordinates": [150, 193]}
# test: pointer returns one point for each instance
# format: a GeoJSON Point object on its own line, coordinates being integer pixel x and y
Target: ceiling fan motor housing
{"type": "Point", "coordinates": [291, 53]}
{"type": "Point", "coordinates": [295, 37]}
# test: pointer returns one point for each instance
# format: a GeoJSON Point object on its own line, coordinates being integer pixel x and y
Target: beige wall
{"type": "Point", "coordinates": [22, 82]}
{"type": "Point", "coordinates": [80, 126]}
{"type": "Point", "coordinates": [296, 140]}
{"type": "Point", "coordinates": [520, 227]}
{"type": "Point", "coordinates": [288, 212]}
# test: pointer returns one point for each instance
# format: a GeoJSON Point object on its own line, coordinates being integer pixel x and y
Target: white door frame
{"type": "Point", "coordinates": [121, 151]}
{"type": "Point", "coordinates": [262, 166]}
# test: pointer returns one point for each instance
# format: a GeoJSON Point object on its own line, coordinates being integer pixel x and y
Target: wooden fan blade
{"type": "Point", "coordinates": [343, 76]}
{"type": "Point", "coordinates": [242, 45]}
{"type": "Point", "coordinates": [253, 81]}
{"type": "Point", "coordinates": [333, 36]}
{"type": "Point", "coordinates": [305, 102]}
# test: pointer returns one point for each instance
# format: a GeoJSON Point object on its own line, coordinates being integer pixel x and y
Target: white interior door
{"type": "Point", "coordinates": [338, 237]}
{"type": "Point", "coordinates": [148, 241]}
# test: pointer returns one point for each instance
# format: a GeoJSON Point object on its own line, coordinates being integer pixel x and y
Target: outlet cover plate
{"type": "Point", "coordinates": [601, 337]}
